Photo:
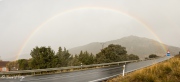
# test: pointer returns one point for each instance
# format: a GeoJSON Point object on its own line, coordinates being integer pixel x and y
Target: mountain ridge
{"type": "Point", "coordinates": [140, 46]}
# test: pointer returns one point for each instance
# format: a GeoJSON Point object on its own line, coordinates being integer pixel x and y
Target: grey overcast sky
{"type": "Point", "coordinates": [86, 21]}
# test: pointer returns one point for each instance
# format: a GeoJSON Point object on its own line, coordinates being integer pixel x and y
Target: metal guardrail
{"type": "Point", "coordinates": [33, 72]}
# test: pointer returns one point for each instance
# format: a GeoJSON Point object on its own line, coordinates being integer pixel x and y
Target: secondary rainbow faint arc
{"type": "Point", "coordinates": [85, 8]}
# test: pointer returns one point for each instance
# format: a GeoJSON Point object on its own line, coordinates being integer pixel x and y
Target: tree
{"type": "Point", "coordinates": [12, 66]}
{"type": "Point", "coordinates": [112, 53]}
{"type": "Point", "coordinates": [74, 61]}
{"type": "Point", "coordinates": [42, 57]}
{"type": "Point", "coordinates": [91, 59]}
{"type": "Point", "coordinates": [153, 56]}
{"type": "Point", "coordinates": [30, 63]}
{"type": "Point", "coordinates": [100, 58]}
{"type": "Point", "coordinates": [23, 64]}
{"type": "Point", "coordinates": [86, 58]}
{"type": "Point", "coordinates": [123, 57]}
{"type": "Point", "coordinates": [63, 57]}
{"type": "Point", "coordinates": [55, 62]}
{"type": "Point", "coordinates": [133, 57]}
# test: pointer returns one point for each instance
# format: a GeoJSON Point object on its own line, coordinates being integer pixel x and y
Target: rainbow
{"type": "Point", "coordinates": [120, 11]}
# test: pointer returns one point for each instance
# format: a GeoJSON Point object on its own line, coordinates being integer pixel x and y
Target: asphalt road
{"type": "Point", "coordinates": [85, 76]}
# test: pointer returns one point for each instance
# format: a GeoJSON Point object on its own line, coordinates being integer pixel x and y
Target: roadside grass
{"type": "Point", "coordinates": [167, 71]}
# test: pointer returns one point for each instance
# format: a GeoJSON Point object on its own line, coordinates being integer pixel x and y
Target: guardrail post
{"type": "Point", "coordinates": [123, 69]}
{"type": "Point", "coordinates": [81, 65]}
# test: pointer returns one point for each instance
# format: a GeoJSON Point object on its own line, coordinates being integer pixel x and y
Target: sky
{"type": "Point", "coordinates": [25, 24]}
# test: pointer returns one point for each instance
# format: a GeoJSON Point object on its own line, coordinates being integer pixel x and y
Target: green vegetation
{"type": "Point", "coordinates": [86, 58]}
{"type": "Point", "coordinates": [12, 65]}
{"type": "Point", "coordinates": [114, 53]}
{"type": "Point", "coordinates": [23, 64]}
{"type": "Point", "coordinates": [168, 71]}
{"type": "Point", "coordinates": [153, 56]}
{"type": "Point", "coordinates": [42, 58]}
{"type": "Point", "coordinates": [133, 57]}
{"type": "Point", "coordinates": [45, 57]}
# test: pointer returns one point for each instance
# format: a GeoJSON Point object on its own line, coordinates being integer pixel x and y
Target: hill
{"type": "Point", "coordinates": [140, 46]}
{"type": "Point", "coordinates": [167, 71]}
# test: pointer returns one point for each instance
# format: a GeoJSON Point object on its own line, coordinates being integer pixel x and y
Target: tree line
{"type": "Point", "coordinates": [45, 57]}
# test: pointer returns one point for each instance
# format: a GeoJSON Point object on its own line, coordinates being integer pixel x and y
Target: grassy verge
{"type": "Point", "coordinates": [168, 71]}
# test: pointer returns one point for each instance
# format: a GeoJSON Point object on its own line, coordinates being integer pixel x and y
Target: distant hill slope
{"type": "Point", "coordinates": [140, 46]}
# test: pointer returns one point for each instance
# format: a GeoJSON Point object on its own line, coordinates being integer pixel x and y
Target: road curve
{"type": "Point", "coordinates": [87, 75]}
